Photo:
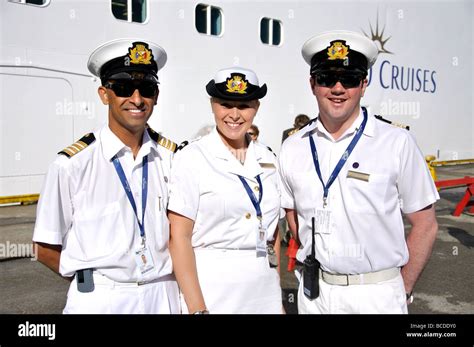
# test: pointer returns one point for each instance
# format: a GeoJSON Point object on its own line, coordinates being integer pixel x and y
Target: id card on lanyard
{"type": "Point", "coordinates": [323, 216]}
{"type": "Point", "coordinates": [142, 255]}
{"type": "Point", "coordinates": [261, 232]}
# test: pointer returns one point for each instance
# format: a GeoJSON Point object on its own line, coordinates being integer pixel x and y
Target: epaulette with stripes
{"type": "Point", "coordinates": [403, 126]}
{"type": "Point", "coordinates": [161, 140]}
{"type": "Point", "coordinates": [294, 131]}
{"type": "Point", "coordinates": [78, 146]}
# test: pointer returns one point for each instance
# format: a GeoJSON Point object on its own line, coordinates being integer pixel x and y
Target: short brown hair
{"type": "Point", "coordinates": [254, 128]}
{"type": "Point", "coordinates": [301, 120]}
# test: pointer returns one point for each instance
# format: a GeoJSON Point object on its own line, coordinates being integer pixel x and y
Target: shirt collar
{"type": "Point", "coordinates": [147, 145]}
{"type": "Point", "coordinates": [370, 126]}
{"type": "Point", "coordinates": [112, 145]}
{"type": "Point", "coordinates": [317, 126]}
{"type": "Point", "coordinates": [217, 146]}
{"type": "Point", "coordinates": [250, 169]}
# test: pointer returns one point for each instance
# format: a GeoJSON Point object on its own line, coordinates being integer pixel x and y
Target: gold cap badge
{"type": "Point", "coordinates": [140, 54]}
{"type": "Point", "coordinates": [236, 84]}
{"type": "Point", "coordinates": [337, 51]}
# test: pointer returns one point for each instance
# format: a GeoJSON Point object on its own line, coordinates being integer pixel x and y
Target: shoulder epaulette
{"type": "Point", "coordinates": [182, 145]}
{"type": "Point", "coordinates": [78, 146]}
{"type": "Point", "coordinates": [161, 140]}
{"type": "Point", "coordinates": [294, 131]}
{"type": "Point", "coordinates": [403, 126]}
{"type": "Point", "coordinates": [168, 144]}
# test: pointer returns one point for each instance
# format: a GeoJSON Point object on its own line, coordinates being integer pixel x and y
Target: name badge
{"type": "Point", "coordinates": [358, 175]}
{"type": "Point", "coordinates": [322, 220]}
{"type": "Point", "coordinates": [267, 165]}
{"type": "Point", "coordinates": [262, 242]}
{"type": "Point", "coordinates": [144, 260]}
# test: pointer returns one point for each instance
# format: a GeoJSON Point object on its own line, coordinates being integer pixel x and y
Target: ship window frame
{"type": "Point", "coordinates": [209, 24]}
{"type": "Point", "coordinates": [25, 2]}
{"type": "Point", "coordinates": [270, 32]}
{"type": "Point", "coordinates": [130, 13]}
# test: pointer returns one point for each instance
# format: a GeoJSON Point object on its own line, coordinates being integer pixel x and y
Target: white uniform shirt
{"type": "Point", "coordinates": [205, 187]}
{"type": "Point", "coordinates": [84, 208]}
{"type": "Point", "coordinates": [366, 232]}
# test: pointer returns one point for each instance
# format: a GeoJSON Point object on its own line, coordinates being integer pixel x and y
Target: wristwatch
{"type": "Point", "coordinates": [201, 312]}
{"type": "Point", "coordinates": [410, 297]}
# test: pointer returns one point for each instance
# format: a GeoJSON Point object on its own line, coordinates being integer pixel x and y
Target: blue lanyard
{"type": "Point", "coordinates": [253, 198]}
{"type": "Point", "coordinates": [341, 162]}
{"type": "Point", "coordinates": [128, 190]}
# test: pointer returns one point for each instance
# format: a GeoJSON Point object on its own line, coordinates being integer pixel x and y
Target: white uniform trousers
{"type": "Point", "coordinates": [383, 297]}
{"type": "Point", "coordinates": [237, 282]}
{"type": "Point", "coordinates": [160, 296]}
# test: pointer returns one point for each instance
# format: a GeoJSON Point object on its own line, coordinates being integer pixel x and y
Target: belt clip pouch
{"type": "Point", "coordinates": [85, 281]}
{"type": "Point", "coordinates": [311, 277]}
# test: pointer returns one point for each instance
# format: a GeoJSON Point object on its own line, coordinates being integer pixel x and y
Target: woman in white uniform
{"type": "Point", "coordinates": [224, 208]}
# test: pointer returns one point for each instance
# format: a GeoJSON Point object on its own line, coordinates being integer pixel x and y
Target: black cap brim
{"type": "Point", "coordinates": [257, 93]}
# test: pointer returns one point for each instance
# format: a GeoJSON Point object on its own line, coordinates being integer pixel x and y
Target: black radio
{"type": "Point", "coordinates": [85, 280]}
{"type": "Point", "coordinates": [311, 270]}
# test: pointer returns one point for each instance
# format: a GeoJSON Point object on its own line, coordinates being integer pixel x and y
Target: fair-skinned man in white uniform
{"type": "Point", "coordinates": [355, 175]}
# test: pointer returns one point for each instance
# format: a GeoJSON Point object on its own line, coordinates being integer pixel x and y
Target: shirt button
{"type": "Point", "coordinates": [256, 188]}
{"type": "Point", "coordinates": [248, 215]}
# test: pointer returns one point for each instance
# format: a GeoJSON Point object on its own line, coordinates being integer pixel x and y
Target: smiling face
{"type": "Point", "coordinates": [338, 105]}
{"type": "Point", "coordinates": [127, 114]}
{"type": "Point", "coordinates": [233, 119]}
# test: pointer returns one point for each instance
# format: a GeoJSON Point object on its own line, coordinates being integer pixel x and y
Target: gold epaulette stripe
{"type": "Point", "coordinates": [167, 144]}
{"type": "Point", "coordinates": [81, 144]}
{"type": "Point", "coordinates": [72, 150]}
{"type": "Point", "coordinates": [395, 124]}
{"type": "Point", "coordinates": [78, 146]}
{"type": "Point", "coordinates": [163, 142]}
{"type": "Point", "coordinates": [68, 151]}
{"type": "Point", "coordinates": [400, 125]}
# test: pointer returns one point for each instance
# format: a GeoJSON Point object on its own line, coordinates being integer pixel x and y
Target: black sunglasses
{"type": "Point", "coordinates": [347, 80]}
{"type": "Point", "coordinates": [125, 89]}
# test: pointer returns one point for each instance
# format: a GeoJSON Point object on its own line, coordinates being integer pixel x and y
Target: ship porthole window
{"type": "Point", "coordinates": [132, 11]}
{"type": "Point", "coordinates": [271, 31]}
{"type": "Point", "coordinates": [39, 3]}
{"type": "Point", "coordinates": [209, 20]}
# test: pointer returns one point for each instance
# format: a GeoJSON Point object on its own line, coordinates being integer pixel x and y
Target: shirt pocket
{"type": "Point", "coordinates": [100, 231]}
{"type": "Point", "coordinates": [368, 197]}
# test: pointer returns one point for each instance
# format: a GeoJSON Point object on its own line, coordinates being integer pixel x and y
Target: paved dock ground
{"type": "Point", "coordinates": [446, 285]}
